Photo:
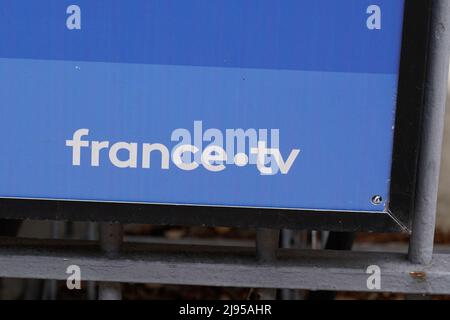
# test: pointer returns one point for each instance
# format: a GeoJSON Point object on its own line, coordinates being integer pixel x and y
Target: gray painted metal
{"type": "Point", "coordinates": [267, 244]}
{"type": "Point", "coordinates": [222, 266]}
{"type": "Point", "coordinates": [111, 236]}
{"type": "Point", "coordinates": [421, 243]}
{"type": "Point", "coordinates": [92, 233]}
{"type": "Point", "coordinates": [110, 291]}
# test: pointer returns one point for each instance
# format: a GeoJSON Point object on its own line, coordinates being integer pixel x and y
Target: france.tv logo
{"type": "Point", "coordinates": [236, 147]}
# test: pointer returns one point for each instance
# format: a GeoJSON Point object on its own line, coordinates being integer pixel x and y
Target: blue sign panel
{"type": "Point", "coordinates": [259, 103]}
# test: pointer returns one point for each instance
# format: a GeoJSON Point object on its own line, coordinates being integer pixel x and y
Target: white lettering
{"type": "Point", "coordinates": [131, 162]}
{"type": "Point", "coordinates": [73, 22]}
{"type": "Point", "coordinates": [77, 144]}
{"type": "Point", "coordinates": [188, 157]}
{"type": "Point", "coordinates": [374, 20]}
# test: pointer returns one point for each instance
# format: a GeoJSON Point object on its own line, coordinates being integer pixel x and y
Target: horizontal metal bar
{"type": "Point", "coordinates": [399, 247]}
{"type": "Point", "coordinates": [192, 241]}
{"type": "Point", "coordinates": [222, 266]}
{"type": "Point", "coordinates": [396, 247]}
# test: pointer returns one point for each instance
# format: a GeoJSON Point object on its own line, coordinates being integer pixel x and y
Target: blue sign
{"type": "Point", "coordinates": [259, 103]}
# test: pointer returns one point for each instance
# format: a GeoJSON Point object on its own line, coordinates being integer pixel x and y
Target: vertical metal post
{"type": "Point", "coordinates": [57, 228]}
{"type": "Point", "coordinates": [287, 237]}
{"type": "Point", "coordinates": [91, 234]}
{"type": "Point", "coordinates": [423, 228]}
{"type": "Point", "coordinates": [111, 236]}
{"type": "Point", "coordinates": [314, 240]}
{"type": "Point", "coordinates": [293, 239]}
{"type": "Point", "coordinates": [267, 244]}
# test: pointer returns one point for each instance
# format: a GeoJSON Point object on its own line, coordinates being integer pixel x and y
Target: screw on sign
{"type": "Point", "coordinates": [377, 200]}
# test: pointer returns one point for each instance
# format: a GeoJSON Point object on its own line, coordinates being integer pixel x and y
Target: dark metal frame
{"type": "Point", "coordinates": [401, 204]}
